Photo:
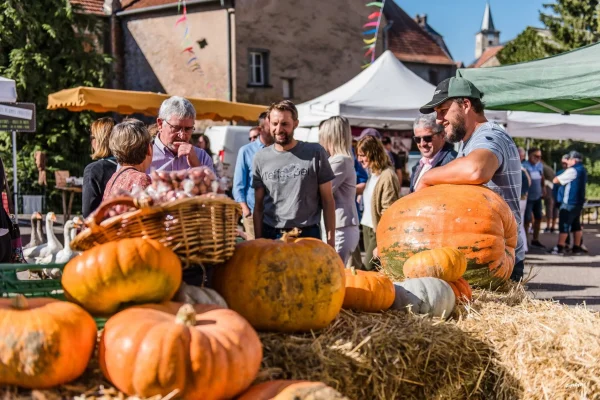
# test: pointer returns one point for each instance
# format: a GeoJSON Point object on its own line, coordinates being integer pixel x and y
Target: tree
{"type": "Point", "coordinates": [570, 24]}
{"type": "Point", "coordinates": [529, 45]}
{"type": "Point", "coordinates": [46, 46]}
{"type": "Point", "coordinates": [573, 23]}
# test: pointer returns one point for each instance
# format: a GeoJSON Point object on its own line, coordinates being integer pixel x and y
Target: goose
{"type": "Point", "coordinates": [53, 257]}
{"type": "Point", "coordinates": [36, 221]}
{"type": "Point", "coordinates": [63, 256]}
{"type": "Point", "coordinates": [40, 231]}
{"type": "Point", "coordinates": [52, 246]}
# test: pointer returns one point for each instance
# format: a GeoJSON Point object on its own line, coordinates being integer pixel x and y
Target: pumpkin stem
{"type": "Point", "coordinates": [353, 271]}
{"type": "Point", "coordinates": [186, 315]}
{"type": "Point", "coordinates": [288, 236]}
{"type": "Point", "coordinates": [20, 302]}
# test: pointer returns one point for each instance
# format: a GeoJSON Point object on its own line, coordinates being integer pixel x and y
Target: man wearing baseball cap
{"type": "Point", "coordinates": [573, 179]}
{"type": "Point", "coordinates": [487, 154]}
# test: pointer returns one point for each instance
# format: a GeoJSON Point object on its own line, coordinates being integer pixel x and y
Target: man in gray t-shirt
{"type": "Point", "coordinates": [487, 155]}
{"type": "Point", "coordinates": [292, 182]}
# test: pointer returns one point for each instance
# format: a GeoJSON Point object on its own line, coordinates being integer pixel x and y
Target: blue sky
{"type": "Point", "coordinates": [459, 20]}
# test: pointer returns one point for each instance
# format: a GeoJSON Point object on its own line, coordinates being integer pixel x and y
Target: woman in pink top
{"type": "Point", "coordinates": [131, 144]}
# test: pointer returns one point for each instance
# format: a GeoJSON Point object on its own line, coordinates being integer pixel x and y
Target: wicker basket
{"type": "Point", "coordinates": [199, 229]}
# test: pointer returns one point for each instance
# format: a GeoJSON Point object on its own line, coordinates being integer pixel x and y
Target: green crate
{"type": "Point", "coordinates": [11, 285]}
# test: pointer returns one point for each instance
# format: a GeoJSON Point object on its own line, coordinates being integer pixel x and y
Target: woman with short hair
{"type": "Point", "coordinates": [336, 138]}
{"type": "Point", "coordinates": [381, 192]}
{"type": "Point", "coordinates": [97, 174]}
{"type": "Point", "coordinates": [131, 144]}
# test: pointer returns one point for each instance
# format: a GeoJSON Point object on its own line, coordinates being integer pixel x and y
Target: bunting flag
{"type": "Point", "coordinates": [186, 43]}
{"type": "Point", "coordinates": [374, 24]}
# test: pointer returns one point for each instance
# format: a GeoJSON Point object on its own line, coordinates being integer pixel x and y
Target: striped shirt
{"type": "Point", "coordinates": [507, 179]}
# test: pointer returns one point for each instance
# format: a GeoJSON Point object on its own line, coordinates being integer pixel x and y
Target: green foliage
{"type": "Point", "coordinates": [573, 23]}
{"type": "Point", "coordinates": [46, 46]}
{"type": "Point", "coordinates": [553, 150]}
{"type": "Point", "coordinates": [528, 46]}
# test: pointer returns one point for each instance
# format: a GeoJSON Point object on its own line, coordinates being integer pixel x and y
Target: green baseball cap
{"type": "Point", "coordinates": [448, 89]}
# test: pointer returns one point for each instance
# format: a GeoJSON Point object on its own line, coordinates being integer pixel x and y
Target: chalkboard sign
{"type": "Point", "coordinates": [18, 117]}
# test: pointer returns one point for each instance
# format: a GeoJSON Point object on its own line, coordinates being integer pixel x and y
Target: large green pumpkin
{"type": "Point", "coordinates": [473, 219]}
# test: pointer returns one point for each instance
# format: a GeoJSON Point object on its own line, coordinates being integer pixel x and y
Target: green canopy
{"type": "Point", "coordinates": [568, 83]}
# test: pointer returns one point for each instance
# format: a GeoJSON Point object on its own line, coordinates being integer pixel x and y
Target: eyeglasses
{"type": "Point", "coordinates": [177, 129]}
{"type": "Point", "coordinates": [536, 156]}
{"type": "Point", "coordinates": [253, 138]}
{"type": "Point", "coordinates": [426, 139]}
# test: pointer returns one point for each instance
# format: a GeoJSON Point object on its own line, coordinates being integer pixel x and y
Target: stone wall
{"type": "Point", "coordinates": [316, 43]}
{"type": "Point", "coordinates": [154, 60]}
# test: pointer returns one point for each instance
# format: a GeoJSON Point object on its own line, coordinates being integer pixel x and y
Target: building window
{"type": "Point", "coordinates": [258, 68]}
{"type": "Point", "coordinates": [288, 88]}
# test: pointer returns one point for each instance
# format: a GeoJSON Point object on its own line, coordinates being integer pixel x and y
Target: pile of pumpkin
{"type": "Point", "coordinates": [153, 346]}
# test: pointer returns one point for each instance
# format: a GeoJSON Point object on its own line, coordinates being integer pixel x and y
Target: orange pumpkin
{"type": "Point", "coordinates": [473, 219]}
{"type": "Point", "coordinates": [202, 352]}
{"type": "Point", "coordinates": [291, 390]}
{"type": "Point", "coordinates": [283, 285]}
{"type": "Point", "coordinates": [445, 263]}
{"type": "Point", "coordinates": [462, 290]}
{"type": "Point", "coordinates": [110, 275]}
{"type": "Point", "coordinates": [43, 342]}
{"type": "Point", "coordinates": [368, 291]}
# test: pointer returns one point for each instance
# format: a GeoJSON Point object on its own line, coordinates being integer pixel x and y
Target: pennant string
{"type": "Point", "coordinates": [372, 42]}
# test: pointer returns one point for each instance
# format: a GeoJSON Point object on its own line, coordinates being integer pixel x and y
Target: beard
{"type": "Point", "coordinates": [285, 141]}
{"type": "Point", "coordinates": [458, 130]}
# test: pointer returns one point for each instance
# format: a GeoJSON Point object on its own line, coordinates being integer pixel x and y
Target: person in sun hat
{"type": "Point", "coordinates": [487, 154]}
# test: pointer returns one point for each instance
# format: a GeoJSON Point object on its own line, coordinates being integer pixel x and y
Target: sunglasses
{"type": "Point", "coordinates": [426, 139]}
{"type": "Point", "coordinates": [251, 138]}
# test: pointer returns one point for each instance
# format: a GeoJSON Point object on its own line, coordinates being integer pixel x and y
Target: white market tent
{"type": "Point", "coordinates": [385, 95]}
{"type": "Point", "coordinates": [8, 90]}
{"type": "Point", "coordinates": [389, 95]}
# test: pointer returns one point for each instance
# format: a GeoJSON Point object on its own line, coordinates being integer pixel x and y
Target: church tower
{"type": "Point", "coordinates": [488, 36]}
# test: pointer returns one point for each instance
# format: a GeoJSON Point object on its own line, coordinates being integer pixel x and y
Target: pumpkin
{"type": "Point", "coordinates": [111, 275]}
{"type": "Point", "coordinates": [462, 290]}
{"type": "Point", "coordinates": [471, 218]}
{"type": "Point", "coordinates": [198, 295]}
{"type": "Point", "coordinates": [203, 352]}
{"type": "Point", "coordinates": [291, 390]}
{"type": "Point", "coordinates": [431, 296]}
{"type": "Point", "coordinates": [368, 291]}
{"type": "Point", "coordinates": [43, 342]}
{"type": "Point", "coordinates": [445, 263]}
{"type": "Point", "coordinates": [285, 285]}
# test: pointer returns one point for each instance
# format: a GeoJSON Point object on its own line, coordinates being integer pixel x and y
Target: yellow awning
{"type": "Point", "coordinates": [147, 103]}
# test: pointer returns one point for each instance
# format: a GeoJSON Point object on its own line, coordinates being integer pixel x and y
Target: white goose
{"type": "Point", "coordinates": [36, 220]}
{"type": "Point", "coordinates": [64, 254]}
{"type": "Point", "coordinates": [52, 247]}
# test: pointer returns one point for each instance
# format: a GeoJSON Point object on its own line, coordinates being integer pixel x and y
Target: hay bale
{"type": "Point", "coordinates": [504, 345]}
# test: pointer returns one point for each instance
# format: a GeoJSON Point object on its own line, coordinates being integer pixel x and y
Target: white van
{"type": "Point", "coordinates": [225, 143]}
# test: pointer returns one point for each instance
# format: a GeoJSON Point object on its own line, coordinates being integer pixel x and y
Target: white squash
{"type": "Point", "coordinates": [198, 295]}
{"type": "Point", "coordinates": [431, 296]}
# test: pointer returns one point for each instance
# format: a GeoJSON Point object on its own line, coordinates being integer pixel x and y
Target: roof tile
{"type": "Point", "coordinates": [409, 42]}
{"type": "Point", "coordinates": [95, 7]}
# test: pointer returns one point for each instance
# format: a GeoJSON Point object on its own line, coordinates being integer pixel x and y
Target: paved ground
{"type": "Point", "coordinates": [570, 279]}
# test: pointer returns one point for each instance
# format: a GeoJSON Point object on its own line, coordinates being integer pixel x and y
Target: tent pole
{"type": "Point", "coordinates": [15, 184]}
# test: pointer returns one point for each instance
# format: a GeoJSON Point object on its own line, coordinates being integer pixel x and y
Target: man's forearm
{"type": "Point", "coordinates": [457, 172]}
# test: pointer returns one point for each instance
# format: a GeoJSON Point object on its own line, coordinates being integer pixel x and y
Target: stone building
{"type": "Point", "coordinates": [257, 51]}
{"type": "Point", "coordinates": [487, 42]}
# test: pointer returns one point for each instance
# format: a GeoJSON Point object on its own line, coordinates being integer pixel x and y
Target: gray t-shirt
{"type": "Point", "coordinates": [291, 181]}
{"type": "Point", "coordinates": [507, 178]}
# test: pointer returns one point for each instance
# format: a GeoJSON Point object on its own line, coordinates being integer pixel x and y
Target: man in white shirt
{"type": "Point", "coordinates": [431, 141]}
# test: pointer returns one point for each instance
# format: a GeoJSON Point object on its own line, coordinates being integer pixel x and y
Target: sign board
{"type": "Point", "coordinates": [19, 117]}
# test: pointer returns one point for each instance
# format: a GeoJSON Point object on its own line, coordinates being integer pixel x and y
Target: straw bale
{"type": "Point", "coordinates": [503, 345]}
